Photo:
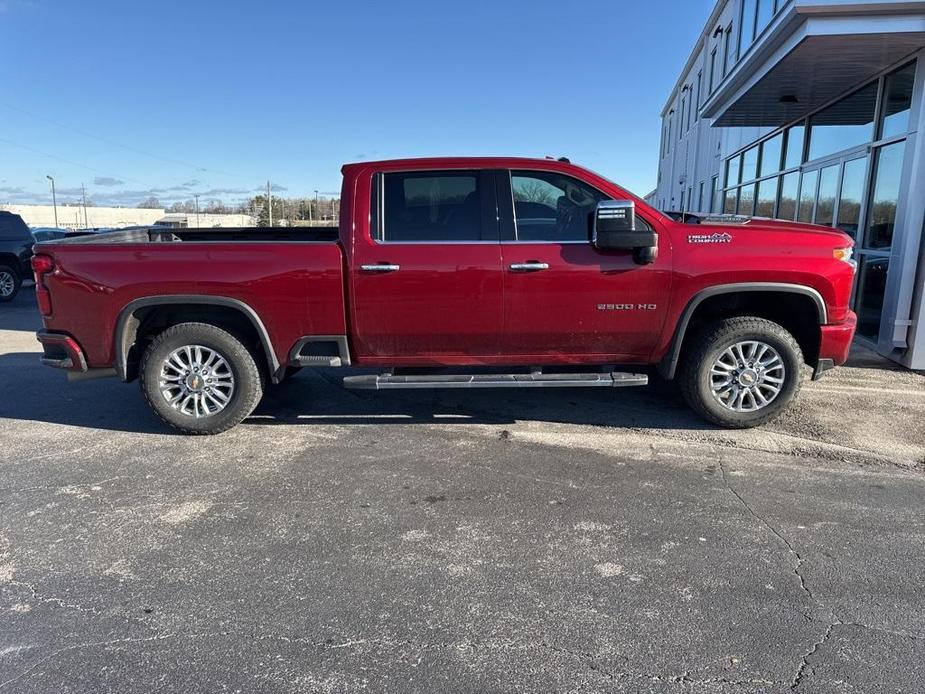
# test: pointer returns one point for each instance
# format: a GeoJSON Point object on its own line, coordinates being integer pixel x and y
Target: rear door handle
{"type": "Point", "coordinates": [529, 267]}
{"type": "Point", "coordinates": [382, 267]}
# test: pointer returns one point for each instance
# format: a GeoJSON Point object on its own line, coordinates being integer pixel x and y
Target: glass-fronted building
{"type": "Point", "coordinates": [812, 110]}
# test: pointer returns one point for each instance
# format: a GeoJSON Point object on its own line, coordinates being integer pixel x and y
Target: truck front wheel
{"type": "Point", "coordinates": [199, 378]}
{"type": "Point", "coordinates": [742, 372]}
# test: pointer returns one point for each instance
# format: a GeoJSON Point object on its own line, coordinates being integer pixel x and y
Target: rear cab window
{"type": "Point", "coordinates": [445, 206]}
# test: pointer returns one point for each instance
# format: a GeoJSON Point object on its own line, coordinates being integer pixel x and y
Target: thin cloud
{"type": "Point", "coordinates": [224, 191]}
{"type": "Point", "coordinates": [274, 187]}
{"type": "Point", "coordinates": [107, 181]}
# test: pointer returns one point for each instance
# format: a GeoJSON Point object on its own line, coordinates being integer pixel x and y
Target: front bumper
{"type": "Point", "coordinates": [835, 344]}
{"type": "Point", "coordinates": [61, 351]}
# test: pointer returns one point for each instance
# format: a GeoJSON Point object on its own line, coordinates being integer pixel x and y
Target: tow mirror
{"type": "Point", "coordinates": [615, 229]}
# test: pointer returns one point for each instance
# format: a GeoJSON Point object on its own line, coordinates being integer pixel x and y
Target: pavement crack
{"type": "Point", "coordinates": [798, 558]}
{"type": "Point", "coordinates": [804, 659]}
{"type": "Point", "coordinates": [88, 644]}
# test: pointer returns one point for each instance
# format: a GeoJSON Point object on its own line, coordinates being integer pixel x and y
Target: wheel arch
{"type": "Point", "coordinates": [128, 323]}
{"type": "Point", "coordinates": [668, 365]}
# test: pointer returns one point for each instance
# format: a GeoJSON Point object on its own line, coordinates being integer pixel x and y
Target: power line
{"type": "Point", "coordinates": [129, 148]}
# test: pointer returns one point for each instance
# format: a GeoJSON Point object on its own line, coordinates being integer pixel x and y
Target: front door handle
{"type": "Point", "coordinates": [532, 266]}
{"type": "Point", "coordinates": [381, 267]}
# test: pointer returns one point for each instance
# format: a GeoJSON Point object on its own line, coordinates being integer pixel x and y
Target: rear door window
{"type": "Point", "coordinates": [436, 207]}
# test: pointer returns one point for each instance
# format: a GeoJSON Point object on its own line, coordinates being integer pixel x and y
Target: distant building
{"type": "Point", "coordinates": [72, 217]}
{"type": "Point", "coordinates": [813, 110]}
{"type": "Point", "coordinates": [191, 219]}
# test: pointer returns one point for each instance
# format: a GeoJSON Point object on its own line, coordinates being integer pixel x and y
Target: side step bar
{"type": "Point", "coordinates": [531, 380]}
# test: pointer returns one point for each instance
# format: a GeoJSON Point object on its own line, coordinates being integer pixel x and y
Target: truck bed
{"type": "Point", "coordinates": [291, 278]}
{"type": "Point", "coordinates": [318, 234]}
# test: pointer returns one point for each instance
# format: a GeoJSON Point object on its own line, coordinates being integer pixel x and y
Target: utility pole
{"type": "Point", "coordinates": [270, 202]}
{"type": "Point", "coordinates": [317, 209]}
{"type": "Point", "coordinates": [54, 199]}
{"type": "Point", "coordinates": [196, 196]}
{"type": "Point", "coordinates": [83, 194]}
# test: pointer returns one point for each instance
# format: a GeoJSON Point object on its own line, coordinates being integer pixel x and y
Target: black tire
{"type": "Point", "coordinates": [248, 380]}
{"type": "Point", "coordinates": [8, 272]}
{"type": "Point", "coordinates": [696, 381]}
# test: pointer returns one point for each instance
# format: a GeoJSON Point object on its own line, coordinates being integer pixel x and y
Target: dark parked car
{"type": "Point", "coordinates": [49, 233]}
{"type": "Point", "coordinates": [15, 252]}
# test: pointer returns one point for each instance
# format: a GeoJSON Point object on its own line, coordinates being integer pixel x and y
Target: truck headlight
{"type": "Point", "coordinates": [846, 255]}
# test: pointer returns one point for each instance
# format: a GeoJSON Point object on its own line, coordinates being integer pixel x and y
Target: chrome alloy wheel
{"type": "Point", "coordinates": [196, 381]}
{"type": "Point", "coordinates": [747, 376]}
{"type": "Point", "coordinates": [7, 283]}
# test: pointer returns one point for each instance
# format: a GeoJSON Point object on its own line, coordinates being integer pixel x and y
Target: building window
{"type": "Point", "coordinates": [771, 154]}
{"type": "Point", "coordinates": [850, 195]}
{"type": "Point", "coordinates": [755, 18]}
{"type": "Point", "coordinates": [681, 118]}
{"type": "Point", "coordinates": [843, 125]}
{"type": "Point", "coordinates": [728, 57]}
{"type": "Point", "coordinates": [807, 196]}
{"type": "Point", "coordinates": [763, 15]}
{"type": "Point", "coordinates": [715, 196]}
{"type": "Point", "coordinates": [884, 197]}
{"type": "Point", "coordinates": [712, 70]}
{"type": "Point", "coordinates": [731, 201]}
{"type": "Point", "coordinates": [747, 26]}
{"type": "Point", "coordinates": [690, 104]}
{"type": "Point", "coordinates": [699, 81]}
{"type": "Point", "coordinates": [897, 100]}
{"type": "Point", "coordinates": [767, 196]}
{"type": "Point", "coordinates": [747, 200]}
{"type": "Point", "coordinates": [787, 201]}
{"type": "Point", "coordinates": [750, 164]}
{"type": "Point", "coordinates": [732, 171]}
{"type": "Point", "coordinates": [794, 154]}
{"type": "Point", "coordinates": [871, 288]}
{"type": "Point", "coordinates": [825, 202]}
{"type": "Point", "coordinates": [700, 198]}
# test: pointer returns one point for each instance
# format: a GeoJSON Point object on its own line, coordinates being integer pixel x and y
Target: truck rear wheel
{"type": "Point", "coordinates": [742, 372]}
{"type": "Point", "coordinates": [200, 379]}
{"type": "Point", "coordinates": [10, 282]}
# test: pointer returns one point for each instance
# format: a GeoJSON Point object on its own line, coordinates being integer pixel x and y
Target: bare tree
{"type": "Point", "coordinates": [150, 203]}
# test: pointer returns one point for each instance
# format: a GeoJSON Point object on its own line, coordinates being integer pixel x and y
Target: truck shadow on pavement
{"type": "Point", "coordinates": [37, 393]}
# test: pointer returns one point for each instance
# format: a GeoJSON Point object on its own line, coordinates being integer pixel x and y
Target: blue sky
{"type": "Point", "coordinates": [173, 98]}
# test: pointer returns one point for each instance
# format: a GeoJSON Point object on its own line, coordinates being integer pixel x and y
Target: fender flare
{"type": "Point", "coordinates": [127, 325]}
{"type": "Point", "coordinates": [668, 366]}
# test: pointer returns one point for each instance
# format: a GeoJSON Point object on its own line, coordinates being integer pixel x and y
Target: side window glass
{"type": "Point", "coordinates": [549, 206]}
{"type": "Point", "coordinates": [433, 206]}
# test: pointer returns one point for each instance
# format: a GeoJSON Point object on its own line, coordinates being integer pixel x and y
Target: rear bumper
{"type": "Point", "coordinates": [835, 343]}
{"type": "Point", "coordinates": [61, 351]}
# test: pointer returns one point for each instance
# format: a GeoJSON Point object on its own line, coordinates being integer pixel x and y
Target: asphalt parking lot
{"type": "Point", "coordinates": [459, 541]}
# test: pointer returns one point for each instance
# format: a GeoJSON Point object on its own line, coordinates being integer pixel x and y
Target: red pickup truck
{"type": "Point", "coordinates": [501, 272]}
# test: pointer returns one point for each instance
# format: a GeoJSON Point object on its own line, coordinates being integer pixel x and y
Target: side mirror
{"type": "Point", "coordinates": [615, 229]}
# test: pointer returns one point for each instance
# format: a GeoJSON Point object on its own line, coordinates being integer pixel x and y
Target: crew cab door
{"type": "Point", "coordinates": [426, 276]}
{"type": "Point", "coordinates": [564, 300]}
